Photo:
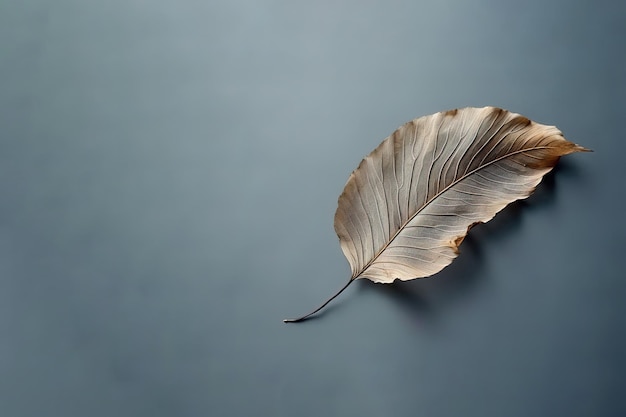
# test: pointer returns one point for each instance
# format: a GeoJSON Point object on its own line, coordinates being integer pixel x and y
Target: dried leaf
{"type": "Point", "coordinates": [407, 207]}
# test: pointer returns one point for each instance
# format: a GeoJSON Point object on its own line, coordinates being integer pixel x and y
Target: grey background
{"type": "Point", "coordinates": [169, 173]}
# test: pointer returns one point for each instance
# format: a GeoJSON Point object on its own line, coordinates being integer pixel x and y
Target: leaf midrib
{"type": "Point", "coordinates": [464, 176]}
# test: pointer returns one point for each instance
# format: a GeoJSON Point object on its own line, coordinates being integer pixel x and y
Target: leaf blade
{"type": "Point", "coordinates": [481, 158]}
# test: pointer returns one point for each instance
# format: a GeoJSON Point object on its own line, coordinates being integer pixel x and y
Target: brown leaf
{"type": "Point", "coordinates": [407, 207]}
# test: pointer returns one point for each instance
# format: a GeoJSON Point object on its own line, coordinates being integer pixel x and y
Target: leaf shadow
{"type": "Point", "coordinates": [424, 299]}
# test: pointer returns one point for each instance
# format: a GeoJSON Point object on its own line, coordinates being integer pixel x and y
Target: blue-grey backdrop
{"type": "Point", "coordinates": [169, 173]}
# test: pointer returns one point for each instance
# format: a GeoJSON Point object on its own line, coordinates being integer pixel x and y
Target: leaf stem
{"type": "Point", "coordinates": [320, 307]}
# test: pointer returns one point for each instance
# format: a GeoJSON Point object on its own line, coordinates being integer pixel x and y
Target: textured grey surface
{"type": "Point", "coordinates": [168, 178]}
